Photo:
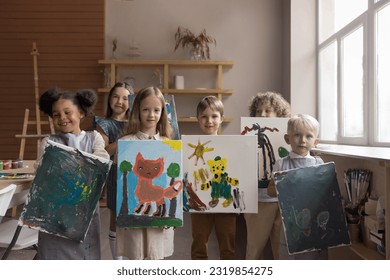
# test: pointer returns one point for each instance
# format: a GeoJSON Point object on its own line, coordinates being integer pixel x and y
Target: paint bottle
{"type": "Point", "coordinates": [1, 165]}
{"type": "Point", "coordinates": [17, 163]}
{"type": "Point", "coordinates": [7, 164]}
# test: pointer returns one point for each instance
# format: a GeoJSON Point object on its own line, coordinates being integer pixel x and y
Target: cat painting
{"type": "Point", "coordinates": [146, 170]}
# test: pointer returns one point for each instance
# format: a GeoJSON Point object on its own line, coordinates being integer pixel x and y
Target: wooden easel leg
{"type": "Point", "coordinates": [14, 211]}
{"type": "Point", "coordinates": [37, 121]}
{"type": "Point", "coordinates": [24, 132]}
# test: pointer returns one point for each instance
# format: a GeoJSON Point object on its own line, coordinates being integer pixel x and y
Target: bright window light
{"type": "Point", "coordinates": [336, 14]}
{"type": "Point", "coordinates": [352, 84]}
{"type": "Point", "coordinates": [383, 72]}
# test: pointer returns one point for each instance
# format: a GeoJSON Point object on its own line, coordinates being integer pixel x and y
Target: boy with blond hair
{"type": "Point", "coordinates": [302, 136]}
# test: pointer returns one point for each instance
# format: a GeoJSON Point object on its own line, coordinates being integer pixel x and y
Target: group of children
{"type": "Point", "coordinates": [148, 120]}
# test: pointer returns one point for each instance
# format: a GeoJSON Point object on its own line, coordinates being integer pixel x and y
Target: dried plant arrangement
{"type": "Point", "coordinates": [114, 47]}
{"type": "Point", "coordinates": [199, 44]}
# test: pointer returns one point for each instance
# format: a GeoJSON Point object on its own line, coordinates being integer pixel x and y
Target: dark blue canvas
{"type": "Point", "coordinates": [311, 208]}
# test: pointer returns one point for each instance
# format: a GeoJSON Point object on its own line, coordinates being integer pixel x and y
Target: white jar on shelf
{"type": "Point", "coordinates": [179, 82]}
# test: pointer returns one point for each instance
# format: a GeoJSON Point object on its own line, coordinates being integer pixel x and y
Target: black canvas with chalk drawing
{"type": "Point", "coordinates": [312, 212]}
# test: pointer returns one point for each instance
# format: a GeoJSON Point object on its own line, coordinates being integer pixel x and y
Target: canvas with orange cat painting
{"type": "Point", "coordinates": [149, 184]}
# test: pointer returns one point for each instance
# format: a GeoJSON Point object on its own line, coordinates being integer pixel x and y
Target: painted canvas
{"type": "Point", "coordinates": [149, 183]}
{"type": "Point", "coordinates": [220, 173]}
{"type": "Point", "coordinates": [65, 192]}
{"type": "Point", "coordinates": [171, 112]}
{"type": "Point", "coordinates": [311, 208]}
{"type": "Point", "coordinates": [271, 145]}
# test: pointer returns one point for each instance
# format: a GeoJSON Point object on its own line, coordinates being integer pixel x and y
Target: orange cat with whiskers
{"type": "Point", "coordinates": [146, 192]}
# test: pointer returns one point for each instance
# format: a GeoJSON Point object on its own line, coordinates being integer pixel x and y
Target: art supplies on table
{"type": "Point", "coordinates": [17, 176]}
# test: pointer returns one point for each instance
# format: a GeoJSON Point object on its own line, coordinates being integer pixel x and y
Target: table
{"type": "Point", "coordinates": [22, 185]}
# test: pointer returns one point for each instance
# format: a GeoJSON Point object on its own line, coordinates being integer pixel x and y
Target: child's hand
{"type": "Point", "coordinates": [271, 189]}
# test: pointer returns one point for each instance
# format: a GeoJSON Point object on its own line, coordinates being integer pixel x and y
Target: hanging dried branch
{"type": "Point", "coordinates": [184, 37]}
{"type": "Point", "coordinates": [114, 44]}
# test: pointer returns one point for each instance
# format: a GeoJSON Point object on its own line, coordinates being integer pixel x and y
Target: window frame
{"type": "Point", "coordinates": [370, 125]}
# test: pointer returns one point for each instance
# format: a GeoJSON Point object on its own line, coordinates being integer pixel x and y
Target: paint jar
{"type": "Point", "coordinates": [17, 163]}
{"type": "Point", "coordinates": [7, 164]}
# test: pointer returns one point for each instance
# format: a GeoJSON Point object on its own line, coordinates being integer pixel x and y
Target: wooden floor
{"type": "Point", "coordinates": [182, 244]}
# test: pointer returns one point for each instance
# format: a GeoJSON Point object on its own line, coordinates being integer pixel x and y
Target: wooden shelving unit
{"type": "Point", "coordinates": [382, 156]}
{"type": "Point", "coordinates": [115, 67]}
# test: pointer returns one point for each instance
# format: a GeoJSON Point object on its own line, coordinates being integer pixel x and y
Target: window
{"type": "Point", "coordinates": [354, 71]}
{"type": "Point", "coordinates": [383, 73]}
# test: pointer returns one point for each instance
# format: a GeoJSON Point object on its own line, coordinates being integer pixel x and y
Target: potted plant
{"type": "Point", "coordinates": [199, 44]}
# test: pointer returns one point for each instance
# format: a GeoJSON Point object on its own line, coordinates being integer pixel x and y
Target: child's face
{"type": "Point", "coordinates": [265, 110]}
{"type": "Point", "coordinates": [66, 116]}
{"type": "Point", "coordinates": [150, 114]}
{"type": "Point", "coordinates": [209, 121]}
{"type": "Point", "coordinates": [119, 102]}
{"type": "Point", "coordinates": [302, 140]}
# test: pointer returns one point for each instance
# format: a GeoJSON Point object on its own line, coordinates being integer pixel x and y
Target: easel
{"type": "Point", "coordinates": [37, 121]}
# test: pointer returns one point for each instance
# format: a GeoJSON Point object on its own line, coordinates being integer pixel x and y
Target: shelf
{"type": "Point", "coordinates": [194, 119]}
{"type": "Point", "coordinates": [379, 153]}
{"type": "Point", "coordinates": [185, 91]}
{"type": "Point", "coordinates": [167, 65]}
{"type": "Point", "coordinates": [154, 63]}
{"type": "Point", "coordinates": [219, 65]}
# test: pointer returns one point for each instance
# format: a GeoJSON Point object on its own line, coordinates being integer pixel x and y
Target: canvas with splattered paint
{"type": "Point", "coordinates": [171, 113]}
{"type": "Point", "coordinates": [65, 192]}
{"type": "Point", "coordinates": [220, 173]}
{"type": "Point", "coordinates": [311, 208]}
{"type": "Point", "coordinates": [271, 145]}
{"type": "Point", "coordinates": [149, 183]}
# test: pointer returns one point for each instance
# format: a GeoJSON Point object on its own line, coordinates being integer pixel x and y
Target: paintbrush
{"type": "Point", "coordinates": [347, 186]}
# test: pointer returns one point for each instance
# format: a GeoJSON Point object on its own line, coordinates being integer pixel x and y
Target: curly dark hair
{"type": "Point", "coordinates": [280, 105]}
{"type": "Point", "coordinates": [84, 99]}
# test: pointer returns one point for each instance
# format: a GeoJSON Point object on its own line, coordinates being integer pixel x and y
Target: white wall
{"type": "Point", "coordinates": [303, 57]}
{"type": "Point", "coordinates": [249, 32]}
